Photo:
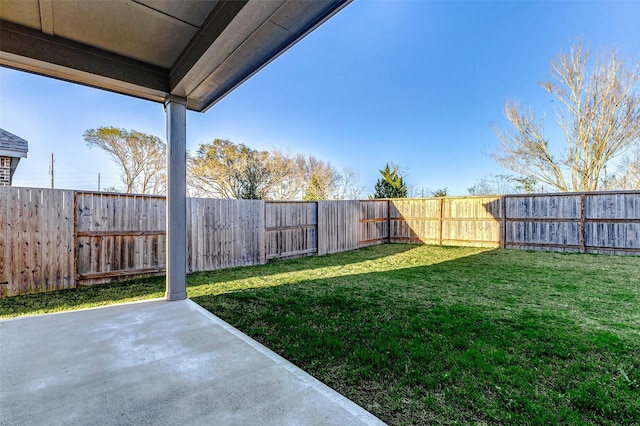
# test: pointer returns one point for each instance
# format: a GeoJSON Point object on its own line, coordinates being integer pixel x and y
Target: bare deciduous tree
{"type": "Point", "coordinates": [325, 182]}
{"type": "Point", "coordinates": [349, 187]}
{"type": "Point", "coordinates": [227, 170]}
{"type": "Point", "coordinates": [504, 184]}
{"type": "Point", "coordinates": [598, 111]}
{"type": "Point", "coordinates": [628, 173]}
{"type": "Point", "coordinates": [322, 180]}
{"type": "Point", "coordinates": [288, 175]}
{"type": "Point", "coordinates": [141, 157]}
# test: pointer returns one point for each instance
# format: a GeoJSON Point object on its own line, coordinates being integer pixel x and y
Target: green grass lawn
{"type": "Point", "coordinates": [425, 334]}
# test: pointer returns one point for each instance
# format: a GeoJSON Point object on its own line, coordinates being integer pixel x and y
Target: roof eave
{"type": "Point", "coordinates": [13, 154]}
{"type": "Point", "coordinates": [13, 166]}
{"type": "Point", "coordinates": [32, 51]}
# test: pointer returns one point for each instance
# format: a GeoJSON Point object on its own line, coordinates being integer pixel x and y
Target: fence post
{"type": "Point", "coordinates": [74, 274]}
{"type": "Point", "coordinates": [583, 247]}
{"type": "Point", "coordinates": [318, 245]}
{"type": "Point", "coordinates": [440, 220]}
{"type": "Point", "coordinates": [264, 232]}
{"type": "Point", "coordinates": [388, 221]}
{"type": "Point", "coordinates": [503, 225]}
{"type": "Point", "coordinates": [4, 240]}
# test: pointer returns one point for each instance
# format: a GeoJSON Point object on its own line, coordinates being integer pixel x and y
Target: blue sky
{"type": "Point", "coordinates": [412, 82]}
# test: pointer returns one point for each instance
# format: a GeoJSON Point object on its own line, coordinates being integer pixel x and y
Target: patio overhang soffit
{"type": "Point", "coordinates": [199, 50]}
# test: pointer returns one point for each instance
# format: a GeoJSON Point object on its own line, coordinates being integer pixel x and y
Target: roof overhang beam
{"type": "Point", "coordinates": [30, 50]}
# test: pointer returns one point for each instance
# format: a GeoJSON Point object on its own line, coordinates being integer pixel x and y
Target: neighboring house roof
{"type": "Point", "coordinates": [12, 145]}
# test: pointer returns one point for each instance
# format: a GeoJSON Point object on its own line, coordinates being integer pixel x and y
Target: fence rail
{"type": "Point", "coordinates": [607, 222]}
{"type": "Point", "coordinates": [55, 239]}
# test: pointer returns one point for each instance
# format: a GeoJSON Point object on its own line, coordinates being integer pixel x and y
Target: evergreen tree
{"type": "Point", "coordinates": [316, 189]}
{"type": "Point", "coordinates": [391, 184]}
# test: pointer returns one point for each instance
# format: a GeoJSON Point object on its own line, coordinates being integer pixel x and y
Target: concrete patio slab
{"type": "Point", "coordinates": [154, 363]}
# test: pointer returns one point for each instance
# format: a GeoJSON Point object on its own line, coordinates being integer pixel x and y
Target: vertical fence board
{"type": "Point", "coordinates": [4, 235]}
{"type": "Point", "coordinates": [612, 223]}
{"type": "Point", "coordinates": [189, 231]}
{"type": "Point", "coordinates": [338, 223]}
{"type": "Point", "coordinates": [472, 221]}
{"type": "Point", "coordinates": [58, 231]}
{"type": "Point", "coordinates": [415, 220]}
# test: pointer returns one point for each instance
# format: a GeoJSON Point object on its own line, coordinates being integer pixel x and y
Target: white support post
{"type": "Point", "coordinates": [176, 111]}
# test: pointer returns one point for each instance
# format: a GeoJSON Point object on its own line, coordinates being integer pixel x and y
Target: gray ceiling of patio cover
{"type": "Point", "coordinates": [199, 50]}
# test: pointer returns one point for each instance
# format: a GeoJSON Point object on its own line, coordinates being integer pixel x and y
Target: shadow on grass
{"type": "Point", "coordinates": [82, 297]}
{"type": "Point", "coordinates": [153, 287]}
{"type": "Point", "coordinates": [308, 263]}
{"type": "Point", "coordinates": [500, 337]}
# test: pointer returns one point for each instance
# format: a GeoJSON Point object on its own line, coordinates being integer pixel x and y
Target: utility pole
{"type": "Point", "coordinates": [51, 171]}
{"type": "Point", "coordinates": [98, 182]}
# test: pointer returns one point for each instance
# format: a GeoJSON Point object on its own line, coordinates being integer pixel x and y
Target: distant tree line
{"type": "Point", "coordinates": [224, 169]}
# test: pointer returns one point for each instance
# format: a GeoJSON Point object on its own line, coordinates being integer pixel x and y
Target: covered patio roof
{"type": "Point", "coordinates": [199, 50]}
{"type": "Point", "coordinates": [187, 54]}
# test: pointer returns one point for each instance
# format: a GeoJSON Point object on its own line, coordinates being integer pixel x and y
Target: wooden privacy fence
{"type": "Point", "coordinates": [36, 240]}
{"type": "Point", "coordinates": [291, 229]}
{"type": "Point", "coordinates": [469, 221]}
{"type": "Point", "coordinates": [118, 236]}
{"type": "Point", "coordinates": [55, 239]}
{"type": "Point", "coordinates": [596, 222]}
{"type": "Point", "coordinates": [224, 233]}
{"type": "Point", "coordinates": [338, 226]}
